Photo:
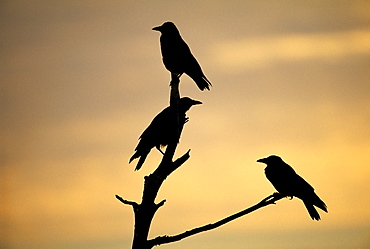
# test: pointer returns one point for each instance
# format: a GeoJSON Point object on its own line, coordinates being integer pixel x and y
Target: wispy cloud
{"type": "Point", "coordinates": [256, 52]}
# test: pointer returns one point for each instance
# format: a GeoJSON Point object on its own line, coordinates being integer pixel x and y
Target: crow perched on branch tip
{"type": "Point", "coordinates": [162, 130]}
{"type": "Point", "coordinates": [177, 57]}
{"type": "Point", "coordinates": [288, 183]}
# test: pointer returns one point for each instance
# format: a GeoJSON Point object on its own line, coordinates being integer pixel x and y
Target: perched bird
{"type": "Point", "coordinates": [177, 57]}
{"type": "Point", "coordinates": [288, 183]}
{"type": "Point", "coordinates": [162, 129]}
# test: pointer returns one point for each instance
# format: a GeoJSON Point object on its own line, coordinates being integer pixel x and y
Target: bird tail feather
{"type": "Point", "coordinates": [312, 211]}
{"type": "Point", "coordinates": [134, 156]}
{"type": "Point", "coordinates": [203, 83]}
{"type": "Point", "coordinates": [141, 161]}
{"type": "Point", "coordinates": [320, 204]}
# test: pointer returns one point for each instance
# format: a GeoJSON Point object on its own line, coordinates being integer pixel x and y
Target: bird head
{"type": "Point", "coordinates": [185, 103]}
{"type": "Point", "coordinates": [167, 27]}
{"type": "Point", "coordinates": [270, 160]}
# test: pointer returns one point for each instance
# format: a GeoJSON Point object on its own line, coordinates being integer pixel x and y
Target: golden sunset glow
{"type": "Point", "coordinates": [80, 81]}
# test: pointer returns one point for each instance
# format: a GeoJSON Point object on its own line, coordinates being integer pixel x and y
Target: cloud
{"type": "Point", "coordinates": [257, 52]}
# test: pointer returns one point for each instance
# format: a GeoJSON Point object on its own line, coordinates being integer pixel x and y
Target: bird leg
{"type": "Point", "coordinates": [159, 148]}
{"type": "Point", "coordinates": [177, 75]}
{"type": "Point", "coordinates": [285, 196]}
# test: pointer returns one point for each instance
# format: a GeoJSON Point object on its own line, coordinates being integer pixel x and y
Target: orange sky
{"type": "Point", "coordinates": [82, 80]}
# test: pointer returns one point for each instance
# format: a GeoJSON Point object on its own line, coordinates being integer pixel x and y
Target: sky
{"type": "Point", "coordinates": [82, 79]}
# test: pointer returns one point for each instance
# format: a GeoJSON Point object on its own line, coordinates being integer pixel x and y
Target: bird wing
{"type": "Point", "coordinates": [192, 67]}
{"type": "Point", "coordinates": [175, 53]}
{"type": "Point", "coordinates": [302, 184]}
{"type": "Point", "coordinates": [280, 177]}
{"type": "Point", "coordinates": [154, 133]}
{"type": "Point", "coordinates": [306, 192]}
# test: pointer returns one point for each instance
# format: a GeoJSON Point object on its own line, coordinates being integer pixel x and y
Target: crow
{"type": "Point", "coordinates": [177, 57]}
{"type": "Point", "coordinates": [162, 129]}
{"type": "Point", "coordinates": [288, 183]}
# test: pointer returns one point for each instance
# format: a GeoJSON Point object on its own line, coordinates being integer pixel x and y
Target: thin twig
{"type": "Point", "coordinates": [127, 202]}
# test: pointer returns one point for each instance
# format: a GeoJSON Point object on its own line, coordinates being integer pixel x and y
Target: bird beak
{"type": "Point", "coordinates": [262, 160]}
{"type": "Point", "coordinates": [196, 102]}
{"type": "Point", "coordinates": [157, 28]}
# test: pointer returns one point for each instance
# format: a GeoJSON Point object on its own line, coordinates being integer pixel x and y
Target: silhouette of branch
{"type": "Point", "coordinates": [161, 203]}
{"type": "Point", "coordinates": [168, 239]}
{"type": "Point", "coordinates": [145, 211]}
{"type": "Point", "coordinates": [132, 203]}
{"type": "Point", "coordinates": [181, 160]}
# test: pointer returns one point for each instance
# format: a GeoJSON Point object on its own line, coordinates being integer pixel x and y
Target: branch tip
{"type": "Point", "coordinates": [127, 202]}
{"type": "Point", "coordinates": [160, 204]}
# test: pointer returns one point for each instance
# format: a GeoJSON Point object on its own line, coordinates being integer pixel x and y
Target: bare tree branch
{"type": "Point", "coordinates": [132, 203]}
{"type": "Point", "coordinates": [180, 161]}
{"type": "Point", "coordinates": [168, 239]}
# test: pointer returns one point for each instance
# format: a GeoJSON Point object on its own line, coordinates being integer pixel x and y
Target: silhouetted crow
{"type": "Point", "coordinates": [162, 129]}
{"type": "Point", "coordinates": [177, 57]}
{"type": "Point", "coordinates": [288, 183]}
